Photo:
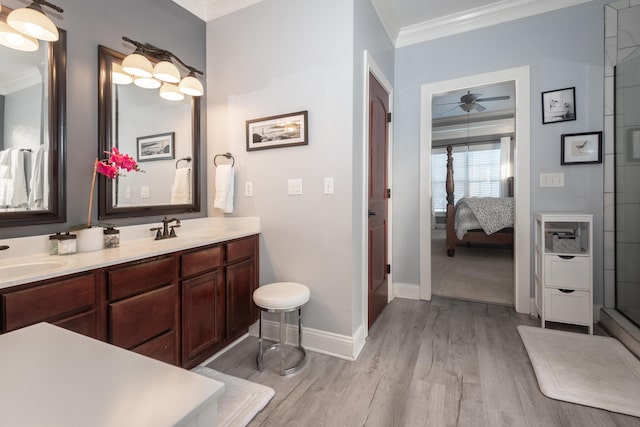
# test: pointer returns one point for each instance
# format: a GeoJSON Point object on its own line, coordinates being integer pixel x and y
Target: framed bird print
{"type": "Point", "coordinates": [581, 148]}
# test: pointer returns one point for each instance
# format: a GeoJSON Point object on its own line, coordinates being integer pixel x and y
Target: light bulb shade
{"type": "Point", "coordinates": [167, 72]}
{"type": "Point", "coordinates": [15, 40]}
{"type": "Point", "coordinates": [191, 86]}
{"type": "Point", "coordinates": [137, 65]}
{"type": "Point", "coordinates": [33, 23]}
{"type": "Point", "coordinates": [170, 92]}
{"type": "Point", "coordinates": [147, 82]}
{"type": "Point", "coordinates": [118, 76]}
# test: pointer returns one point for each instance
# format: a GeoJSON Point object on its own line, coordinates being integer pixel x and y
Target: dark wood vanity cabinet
{"type": "Point", "coordinates": [179, 308]}
{"type": "Point", "coordinates": [144, 308]}
{"type": "Point", "coordinates": [217, 297]}
{"type": "Point", "coordinates": [71, 302]}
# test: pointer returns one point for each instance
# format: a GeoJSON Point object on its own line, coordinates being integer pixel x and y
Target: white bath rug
{"type": "Point", "coordinates": [241, 400]}
{"type": "Point", "coordinates": [585, 369]}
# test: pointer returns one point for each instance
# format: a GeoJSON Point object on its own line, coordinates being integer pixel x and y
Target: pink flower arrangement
{"type": "Point", "coordinates": [110, 167]}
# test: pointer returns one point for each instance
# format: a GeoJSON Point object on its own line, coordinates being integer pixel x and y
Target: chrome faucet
{"type": "Point", "coordinates": [166, 231]}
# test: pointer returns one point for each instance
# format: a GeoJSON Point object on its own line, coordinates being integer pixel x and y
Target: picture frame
{"type": "Point", "coordinates": [581, 148]}
{"type": "Point", "coordinates": [559, 105]}
{"type": "Point", "coordinates": [285, 130]}
{"type": "Point", "coordinates": [160, 146]}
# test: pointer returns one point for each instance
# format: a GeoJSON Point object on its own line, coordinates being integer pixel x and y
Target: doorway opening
{"type": "Point", "coordinates": [519, 78]}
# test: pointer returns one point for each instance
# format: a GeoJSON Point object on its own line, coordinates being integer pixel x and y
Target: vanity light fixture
{"type": "Point", "coordinates": [32, 21]}
{"type": "Point", "coordinates": [118, 76]}
{"type": "Point", "coordinates": [16, 40]}
{"type": "Point", "coordinates": [164, 73]}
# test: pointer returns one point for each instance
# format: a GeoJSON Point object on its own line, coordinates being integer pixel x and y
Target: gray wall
{"type": "Point", "coordinates": [88, 24]}
{"type": "Point", "coordinates": [282, 56]}
{"type": "Point", "coordinates": [563, 48]}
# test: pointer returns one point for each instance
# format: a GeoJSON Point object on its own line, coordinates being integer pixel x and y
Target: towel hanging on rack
{"type": "Point", "coordinates": [224, 188]}
{"type": "Point", "coordinates": [181, 188]}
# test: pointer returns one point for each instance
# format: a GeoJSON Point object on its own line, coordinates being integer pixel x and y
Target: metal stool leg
{"type": "Point", "coordinates": [283, 338]}
{"type": "Point", "coordinates": [260, 356]}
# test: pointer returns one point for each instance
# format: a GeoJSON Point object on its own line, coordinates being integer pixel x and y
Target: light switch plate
{"type": "Point", "coordinates": [552, 179]}
{"type": "Point", "coordinates": [294, 187]}
{"type": "Point", "coordinates": [328, 185]}
{"type": "Point", "coordinates": [144, 192]}
{"type": "Point", "coordinates": [248, 189]}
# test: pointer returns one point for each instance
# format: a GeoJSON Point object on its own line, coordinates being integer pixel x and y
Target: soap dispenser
{"type": "Point", "coordinates": [111, 237]}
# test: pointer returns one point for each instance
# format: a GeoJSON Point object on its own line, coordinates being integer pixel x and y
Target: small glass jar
{"type": "Point", "coordinates": [111, 237]}
{"type": "Point", "coordinates": [53, 243]}
{"type": "Point", "coordinates": [67, 244]}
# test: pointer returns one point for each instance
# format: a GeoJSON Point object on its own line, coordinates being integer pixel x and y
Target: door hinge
{"type": "Point", "coordinates": [388, 193]}
{"type": "Point", "coordinates": [389, 117]}
{"type": "Point", "coordinates": [388, 268]}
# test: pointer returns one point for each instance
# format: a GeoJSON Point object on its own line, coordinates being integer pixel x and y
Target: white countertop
{"type": "Point", "coordinates": [27, 259]}
{"type": "Point", "coordinates": [54, 377]}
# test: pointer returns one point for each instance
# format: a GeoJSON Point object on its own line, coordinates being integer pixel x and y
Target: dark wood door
{"type": "Point", "coordinates": [241, 282]}
{"type": "Point", "coordinates": [203, 322]}
{"type": "Point", "coordinates": [378, 195]}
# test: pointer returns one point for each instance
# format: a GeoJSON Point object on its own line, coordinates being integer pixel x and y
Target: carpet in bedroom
{"type": "Point", "coordinates": [475, 273]}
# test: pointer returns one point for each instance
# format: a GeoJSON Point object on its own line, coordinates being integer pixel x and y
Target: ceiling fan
{"type": "Point", "coordinates": [469, 102]}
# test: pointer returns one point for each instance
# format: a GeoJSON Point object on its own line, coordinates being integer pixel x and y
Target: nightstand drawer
{"type": "Point", "coordinates": [568, 272]}
{"type": "Point", "coordinates": [571, 306]}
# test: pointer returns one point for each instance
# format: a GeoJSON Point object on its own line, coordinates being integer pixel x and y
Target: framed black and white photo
{"type": "Point", "coordinates": [581, 148]}
{"type": "Point", "coordinates": [156, 147]}
{"type": "Point", "coordinates": [559, 105]}
{"type": "Point", "coordinates": [285, 130]}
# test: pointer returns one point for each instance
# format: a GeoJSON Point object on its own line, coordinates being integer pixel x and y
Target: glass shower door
{"type": "Point", "coordinates": [627, 189]}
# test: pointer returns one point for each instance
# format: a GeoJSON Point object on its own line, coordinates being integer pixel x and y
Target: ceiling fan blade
{"type": "Point", "coordinates": [495, 98]}
{"type": "Point", "coordinates": [448, 111]}
{"type": "Point", "coordinates": [479, 108]}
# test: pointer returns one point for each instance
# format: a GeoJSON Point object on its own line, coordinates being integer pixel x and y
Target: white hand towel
{"type": "Point", "coordinates": [16, 192]}
{"type": "Point", "coordinates": [5, 163]}
{"type": "Point", "coordinates": [224, 188]}
{"type": "Point", "coordinates": [36, 184]}
{"type": "Point", "coordinates": [181, 188]}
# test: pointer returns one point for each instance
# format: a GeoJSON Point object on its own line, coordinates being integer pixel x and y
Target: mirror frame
{"type": "Point", "coordinates": [106, 209]}
{"type": "Point", "coordinates": [57, 211]}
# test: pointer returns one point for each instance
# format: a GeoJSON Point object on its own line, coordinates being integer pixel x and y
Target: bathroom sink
{"type": "Point", "coordinates": [29, 268]}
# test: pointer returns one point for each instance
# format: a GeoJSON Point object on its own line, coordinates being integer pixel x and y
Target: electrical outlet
{"type": "Point", "coordinates": [144, 192]}
{"type": "Point", "coordinates": [248, 189]}
{"type": "Point", "coordinates": [328, 185]}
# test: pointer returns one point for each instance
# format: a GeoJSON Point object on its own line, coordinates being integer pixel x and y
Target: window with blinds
{"type": "Point", "coordinates": [476, 173]}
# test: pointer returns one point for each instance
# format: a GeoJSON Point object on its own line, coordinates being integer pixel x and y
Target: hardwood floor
{"type": "Point", "coordinates": [440, 363]}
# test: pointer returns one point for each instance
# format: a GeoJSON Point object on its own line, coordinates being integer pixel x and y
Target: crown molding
{"type": "Point", "coordinates": [388, 18]}
{"type": "Point", "coordinates": [212, 9]}
{"type": "Point", "coordinates": [481, 17]}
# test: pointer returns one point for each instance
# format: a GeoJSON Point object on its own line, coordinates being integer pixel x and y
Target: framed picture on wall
{"type": "Point", "coordinates": [156, 147]}
{"type": "Point", "coordinates": [581, 148]}
{"type": "Point", "coordinates": [559, 105]}
{"type": "Point", "coordinates": [285, 130]}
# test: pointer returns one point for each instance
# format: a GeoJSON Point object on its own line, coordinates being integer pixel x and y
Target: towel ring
{"type": "Point", "coordinates": [186, 159]}
{"type": "Point", "coordinates": [227, 156]}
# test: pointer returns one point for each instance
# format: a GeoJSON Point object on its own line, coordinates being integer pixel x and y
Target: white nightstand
{"type": "Point", "coordinates": [564, 268]}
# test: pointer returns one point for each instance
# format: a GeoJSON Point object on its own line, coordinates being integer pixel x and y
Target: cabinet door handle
{"type": "Point", "coordinates": [567, 256]}
{"type": "Point", "coordinates": [567, 291]}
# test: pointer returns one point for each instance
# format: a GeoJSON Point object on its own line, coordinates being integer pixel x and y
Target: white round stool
{"type": "Point", "coordinates": [281, 297]}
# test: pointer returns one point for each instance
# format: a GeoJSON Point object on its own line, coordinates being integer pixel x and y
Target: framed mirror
{"type": "Point", "coordinates": [33, 133]}
{"type": "Point", "coordinates": [163, 136]}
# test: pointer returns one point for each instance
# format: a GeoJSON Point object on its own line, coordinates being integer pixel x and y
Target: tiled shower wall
{"type": "Point", "coordinates": [622, 42]}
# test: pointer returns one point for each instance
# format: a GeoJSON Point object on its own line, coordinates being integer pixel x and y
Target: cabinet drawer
{"type": "Point", "coordinates": [242, 248]}
{"type": "Point", "coordinates": [49, 301]}
{"type": "Point", "coordinates": [572, 273]}
{"type": "Point", "coordinates": [201, 261]}
{"type": "Point", "coordinates": [137, 278]}
{"type": "Point", "coordinates": [572, 307]}
{"type": "Point", "coordinates": [140, 318]}
{"type": "Point", "coordinates": [161, 348]}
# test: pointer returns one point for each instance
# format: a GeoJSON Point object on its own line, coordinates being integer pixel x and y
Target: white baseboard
{"type": "Point", "coordinates": [336, 345]}
{"type": "Point", "coordinates": [406, 290]}
{"type": "Point", "coordinates": [224, 350]}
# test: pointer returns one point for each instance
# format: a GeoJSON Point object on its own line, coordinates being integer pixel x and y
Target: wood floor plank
{"type": "Point", "coordinates": [439, 363]}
